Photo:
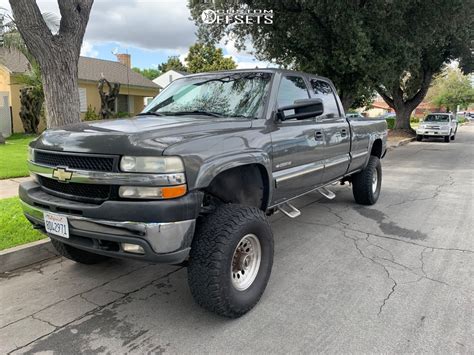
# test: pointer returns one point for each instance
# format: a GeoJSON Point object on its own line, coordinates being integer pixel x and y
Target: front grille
{"type": "Point", "coordinates": [74, 161]}
{"type": "Point", "coordinates": [90, 193]}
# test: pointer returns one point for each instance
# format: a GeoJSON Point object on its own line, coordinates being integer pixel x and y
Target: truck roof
{"type": "Point", "coordinates": [262, 70]}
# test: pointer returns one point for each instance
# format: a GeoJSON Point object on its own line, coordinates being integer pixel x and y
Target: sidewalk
{"type": "Point", "coordinates": [9, 187]}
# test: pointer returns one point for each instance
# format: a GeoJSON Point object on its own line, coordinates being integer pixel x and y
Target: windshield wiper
{"type": "Point", "coordinates": [195, 112]}
{"type": "Point", "coordinates": [150, 113]}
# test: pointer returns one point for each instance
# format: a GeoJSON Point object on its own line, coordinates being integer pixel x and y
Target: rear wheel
{"type": "Point", "coordinates": [419, 137]}
{"type": "Point", "coordinates": [77, 255]}
{"type": "Point", "coordinates": [366, 184]}
{"type": "Point", "coordinates": [231, 260]}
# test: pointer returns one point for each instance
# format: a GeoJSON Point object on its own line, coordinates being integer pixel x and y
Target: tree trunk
{"type": "Point", "coordinates": [403, 118]}
{"type": "Point", "coordinates": [404, 107]}
{"type": "Point", "coordinates": [347, 101]}
{"type": "Point", "coordinates": [30, 110]}
{"type": "Point", "coordinates": [57, 55]}
{"type": "Point", "coordinates": [61, 90]}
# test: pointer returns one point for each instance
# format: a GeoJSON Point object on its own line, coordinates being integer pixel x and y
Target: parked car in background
{"type": "Point", "coordinates": [438, 125]}
{"type": "Point", "coordinates": [354, 115]}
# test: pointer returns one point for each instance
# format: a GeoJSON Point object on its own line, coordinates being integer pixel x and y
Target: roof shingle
{"type": "Point", "coordinates": [90, 69]}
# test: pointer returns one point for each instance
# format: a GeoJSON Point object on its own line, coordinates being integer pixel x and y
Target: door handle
{"type": "Point", "coordinates": [318, 135]}
{"type": "Point", "coordinates": [343, 132]}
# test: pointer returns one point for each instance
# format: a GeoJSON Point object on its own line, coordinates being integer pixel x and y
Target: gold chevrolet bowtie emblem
{"type": "Point", "coordinates": [62, 174]}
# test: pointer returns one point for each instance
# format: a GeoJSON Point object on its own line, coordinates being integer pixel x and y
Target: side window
{"type": "Point", "coordinates": [322, 90]}
{"type": "Point", "coordinates": [291, 88]}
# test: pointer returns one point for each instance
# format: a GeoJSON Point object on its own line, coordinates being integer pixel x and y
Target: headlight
{"type": "Point", "coordinates": [146, 192]}
{"type": "Point", "coordinates": [159, 165]}
{"type": "Point", "coordinates": [444, 127]}
{"type": "Point", "coordinates": [31, 154]}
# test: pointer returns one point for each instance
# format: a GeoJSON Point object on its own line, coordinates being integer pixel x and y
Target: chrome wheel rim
{"type": "Point", "coordinates": [375, 178]}
{"type": "Point", "coordinates": [246, 262]}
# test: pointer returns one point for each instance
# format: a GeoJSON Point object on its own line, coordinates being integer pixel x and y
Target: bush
{"type": "Point", "coordinates": [121, 114]}
{"type": "Point", "coordinates": [414, 119]}
{"type": "Point", "coordinates": [390, 122]}
{"type": "Point", "coordinates": [90, 114]}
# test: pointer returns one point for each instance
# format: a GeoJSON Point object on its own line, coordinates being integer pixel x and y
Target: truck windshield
{"type": "Point", "coordinates": [437, 118]}
{"type": "Point", "coordinates": [215, 95]}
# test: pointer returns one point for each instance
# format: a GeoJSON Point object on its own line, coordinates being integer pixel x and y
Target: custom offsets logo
{"type": "Point", "coordinates": [237, 17]}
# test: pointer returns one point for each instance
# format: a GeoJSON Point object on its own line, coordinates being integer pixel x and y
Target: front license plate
{"type": "Point", "coordinates": [56, 224]}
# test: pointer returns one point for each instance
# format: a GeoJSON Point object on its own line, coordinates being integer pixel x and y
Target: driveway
{"type": "Point", "coordinates": [394, 277]}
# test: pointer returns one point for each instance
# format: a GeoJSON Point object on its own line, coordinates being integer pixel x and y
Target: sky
{"type": "Point", "coordinates": [150, 31]}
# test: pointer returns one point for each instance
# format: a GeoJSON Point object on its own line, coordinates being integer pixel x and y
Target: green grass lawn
{"type": "Point", "coordinates": [13, 156]}
{"type": "Point", "coordinates": [14, 227]}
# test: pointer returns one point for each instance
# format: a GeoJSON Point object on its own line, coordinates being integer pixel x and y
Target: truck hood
{"type": "Point", "coordinates": [141, 135]}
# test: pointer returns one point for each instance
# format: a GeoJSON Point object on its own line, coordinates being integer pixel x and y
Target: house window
{"type": "Point", "coordinates": [122, 104]}
{"type": "Point", "coordinates": [82, 99]}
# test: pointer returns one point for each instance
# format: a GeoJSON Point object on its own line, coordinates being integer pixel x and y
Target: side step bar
{"type": "Point", "coordinates": [326, 193]}
{"type": "Point", "coordinates": [289, 210]}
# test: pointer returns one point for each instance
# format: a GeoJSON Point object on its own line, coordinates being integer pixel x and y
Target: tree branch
{"type": "Point", "coordinates": [381, 91]}
{"type": "Point", "coordinates": [74, 18]}
{"type": "Point", "coordinates": [31, 25]}
{"type": "Point", "coordinates": [425, 85]}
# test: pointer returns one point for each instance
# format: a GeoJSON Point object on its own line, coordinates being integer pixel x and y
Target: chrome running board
{"type": "Point", "coordinates": [326, 193]}
{"type": "Point", "coordinates": [289, 210]}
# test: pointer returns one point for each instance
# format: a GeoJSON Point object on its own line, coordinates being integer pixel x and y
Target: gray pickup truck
{"type": "Point", "coordinates": [192, 179]}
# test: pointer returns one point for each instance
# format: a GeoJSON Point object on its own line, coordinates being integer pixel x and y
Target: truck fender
{"type": "Point", "coordinates": [211, 168]}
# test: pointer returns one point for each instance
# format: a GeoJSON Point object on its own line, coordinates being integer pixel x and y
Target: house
{"type": "Point", "coordinates": [133, 86]}
{"type": "Point", "coordinates": [164, 79]}
{"type": "Point", "coordinates": [379, 107]}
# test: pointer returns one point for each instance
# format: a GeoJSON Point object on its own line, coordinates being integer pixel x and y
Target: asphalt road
{"type": "Point", "coordinates": [394, 277]}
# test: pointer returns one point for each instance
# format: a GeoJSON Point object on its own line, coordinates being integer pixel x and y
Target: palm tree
{"type": "Point", "coordinates": [31, 93]}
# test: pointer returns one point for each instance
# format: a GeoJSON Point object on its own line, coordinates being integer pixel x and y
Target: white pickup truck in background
{"type": "Point", "coordinates": [438, 125]}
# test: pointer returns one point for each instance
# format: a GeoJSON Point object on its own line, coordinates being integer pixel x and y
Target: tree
{"type": "Point", "coordinates": [150, 73]}
{"type": "Point", "coordinates": [31, 93]}
{"type": "Point", "coordinates": [31, 98]}
{"type": "Point", "coordinates": [173, 63]}
{"type": "Point", "coordinates": [56, 54]}
{"type": "Point", "coordinates": [107, 98]}
{"type": "Point", "coordinates": [321, 37]}
{"type": "Point", "coordinates": [204, 57]}
{"type": "Point", "coordinates": [452, 89]}
{"type": "Point", "coordinates": [394, 47]}
{"type": "Point", "coordinates": [417, 40]}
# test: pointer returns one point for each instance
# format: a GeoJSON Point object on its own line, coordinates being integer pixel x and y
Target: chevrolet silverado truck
{"type": "Point", "coordinates": [192, 179]}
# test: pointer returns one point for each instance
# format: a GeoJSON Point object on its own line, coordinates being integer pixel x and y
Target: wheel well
{"type": "Point", "coordinates": [246, 185]}
{"type": "Point", "coordinates": [377, 148]}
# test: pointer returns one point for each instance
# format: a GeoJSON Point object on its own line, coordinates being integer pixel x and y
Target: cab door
{"type": "Point", "coordinates": [336, 131]}
{"type": "Point", "coordinates": [297, 145]}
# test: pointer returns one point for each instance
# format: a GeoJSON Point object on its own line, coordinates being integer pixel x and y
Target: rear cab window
{"type": "Point", "coordinates": [322, 90]}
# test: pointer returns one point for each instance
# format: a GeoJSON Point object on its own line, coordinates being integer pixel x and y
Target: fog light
{"type": "Point", "coordinates": [132, 248]}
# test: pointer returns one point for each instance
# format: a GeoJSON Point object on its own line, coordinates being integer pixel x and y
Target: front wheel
{"type": "Point", "coordinates": [231, 260]}
{"type": "Point", "coordinates": [419, 137]}
{"type": "Point", "coordinates": [446, 139]}
{"type": "Point", "coordinates": [366, 184]}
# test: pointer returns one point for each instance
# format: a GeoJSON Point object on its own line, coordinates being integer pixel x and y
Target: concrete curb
{"type": "Point", "coordinates": [402, 142]}
{"type": "Point", "coordinates": [25, 255]}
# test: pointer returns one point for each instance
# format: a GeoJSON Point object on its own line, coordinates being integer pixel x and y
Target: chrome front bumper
{"type": "Point", "coordinates": [432, 132]}
{"type": "Point", "coordinates": [162, 242]}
